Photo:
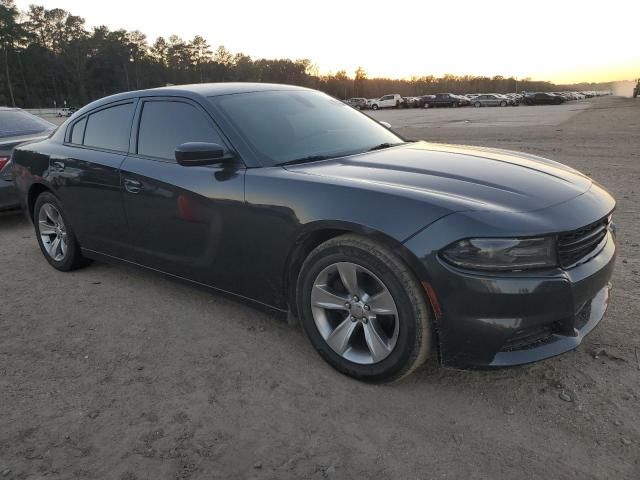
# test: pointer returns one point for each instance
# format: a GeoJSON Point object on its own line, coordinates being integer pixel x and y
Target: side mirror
{"type": "Point", "coordinates": [385, 124]}
{"type": "Point", "coordinates": [193, 154]}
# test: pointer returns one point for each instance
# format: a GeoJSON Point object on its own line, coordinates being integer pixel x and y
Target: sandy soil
{"type": "Point", "coordinates": [110, 372]}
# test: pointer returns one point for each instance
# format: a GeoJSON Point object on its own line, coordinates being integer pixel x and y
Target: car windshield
{"type": "Point", "coordinates": [15, 123]}
{"type": "Point", "coordinates": [285, 126]}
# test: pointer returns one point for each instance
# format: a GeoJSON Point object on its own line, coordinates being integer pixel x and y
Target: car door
{"type": "Point", "coordinates": [182, 220]}
{"type": "Point", "coordinates": [86, 175]}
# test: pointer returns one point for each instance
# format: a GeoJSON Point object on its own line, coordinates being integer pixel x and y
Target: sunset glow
{"type": "Point", "coordinates": [558, 41]}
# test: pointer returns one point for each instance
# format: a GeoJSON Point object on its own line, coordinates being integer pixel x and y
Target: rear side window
{"type": "Point", "coordinates": [166, 124]}
{"type": "Point", "coordinates": [109, 128]}
{"type": "Point", "coordinates": [77, 134]}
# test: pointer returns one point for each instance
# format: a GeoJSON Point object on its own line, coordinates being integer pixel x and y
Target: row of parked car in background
{"type": "Point", "coordinates": [395, 100]}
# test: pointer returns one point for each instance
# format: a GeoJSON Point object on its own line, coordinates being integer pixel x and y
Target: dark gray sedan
{"type": "Point", "coordinates": [389, 252]}
{"type": "Point", "coordinates": [16, 127]}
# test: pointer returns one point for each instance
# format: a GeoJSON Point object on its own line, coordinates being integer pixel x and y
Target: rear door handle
{"type": "Point", "coordinates": [132, 186]}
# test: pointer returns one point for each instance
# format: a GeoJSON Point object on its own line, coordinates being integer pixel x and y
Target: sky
{"type": "Point", "coordinates": [562, 41]}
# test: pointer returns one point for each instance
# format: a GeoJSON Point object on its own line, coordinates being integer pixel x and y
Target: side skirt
{"type": "Point", "coordinates": [92, 254]}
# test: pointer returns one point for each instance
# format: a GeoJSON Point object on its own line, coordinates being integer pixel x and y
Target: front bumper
{"type": "Point", "coordinates": [512, 320]}
{"type": "Point", "coordinates": [485, 320]}
{"type": "Point", "coordinates": [497, 321]}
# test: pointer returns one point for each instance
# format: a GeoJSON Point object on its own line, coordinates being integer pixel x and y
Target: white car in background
{"type": "Point", "coordinates": [386, 101]}
{"type": "Point", "coordinates": [66, 111]}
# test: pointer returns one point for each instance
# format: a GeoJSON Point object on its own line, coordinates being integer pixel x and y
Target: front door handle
{"type": "Point", "coordinates": [132, 186]}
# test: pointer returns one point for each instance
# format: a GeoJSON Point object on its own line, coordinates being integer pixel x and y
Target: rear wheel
{"type": "Point", "coordinates": [55, 234]}
{"type": "Point", "coordinates": [454, 105]}
{"type": "Point", "coordinates": [363, 309]}
{"type": "Point", "coordinates": [477, 104]}
{"type": "Point", "coordinates": [503, 104]}
{"type": "Point", "coordinates": [374, 107]}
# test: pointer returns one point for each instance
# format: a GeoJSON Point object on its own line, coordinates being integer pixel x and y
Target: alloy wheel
{"type": "Point", "coordinates": [355, 313]}
{"type": "Point", "coordinates": [53, 232]}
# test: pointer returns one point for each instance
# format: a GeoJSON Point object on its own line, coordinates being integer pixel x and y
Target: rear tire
{"type": "Point", "coordinates": [55, 234]}
{"type": "Point", "coordinates": [373, 272]}
{"type": "Point", "coordinates": [477, 104]}
{"type": "Point", "coordinates": [503, 104]}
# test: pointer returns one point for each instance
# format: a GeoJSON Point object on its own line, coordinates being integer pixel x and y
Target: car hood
{"type": "Point", "coordinates": [459, 177]}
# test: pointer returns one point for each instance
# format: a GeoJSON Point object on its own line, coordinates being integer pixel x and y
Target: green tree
{"type": "Point", "coordinates": [12, 33]}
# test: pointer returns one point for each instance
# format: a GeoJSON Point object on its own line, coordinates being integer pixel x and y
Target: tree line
{"type": "Point", "coordinates": [49, 55]}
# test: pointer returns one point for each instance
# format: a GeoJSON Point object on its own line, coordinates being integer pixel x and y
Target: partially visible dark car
{"type": "Point", "coordinates": [422, 101]}
{"type": "Point", "coordinates": [542, 98]}
{"type": "Point", "coordinates": [446, 100]}
{"type": "Point", "coordinates": [389, 252]}
{"type": "Point", "coordinates": [16, 127]}
{"type": "Point", "coordinates": [357, 103]}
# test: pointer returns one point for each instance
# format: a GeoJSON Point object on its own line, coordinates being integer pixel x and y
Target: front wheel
{"type": "Point", "coordinates": [477, 104]}
{"type": "Point", "coordinates": [503, 104]}
{"type": "Point", "coordinates": [374, 107]}
{"type": "Point", "coordinates": [363, 309]}
{"type": "Point", "coordinates": [55, 235]}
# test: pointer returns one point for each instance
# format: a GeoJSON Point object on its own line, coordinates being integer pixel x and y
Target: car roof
{"type": "Point", "coordinates": [225, 88]}
{"type": "Point", "coordinates": [191, 91]}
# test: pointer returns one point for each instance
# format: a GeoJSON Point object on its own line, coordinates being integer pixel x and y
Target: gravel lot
{"type": "Point", "coordinates": [110, 372]}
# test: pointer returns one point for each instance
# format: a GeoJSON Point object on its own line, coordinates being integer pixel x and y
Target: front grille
{"type": "Point", "coordinates": [575, 245]}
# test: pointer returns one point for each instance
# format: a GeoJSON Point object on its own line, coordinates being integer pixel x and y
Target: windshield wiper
{"type": "Point", "coordinates": [310, 158]}
{"type": "Point", "coordinates": [382, 146]}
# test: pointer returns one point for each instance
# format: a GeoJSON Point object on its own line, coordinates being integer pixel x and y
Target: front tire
{"type": "Point", "coordinates": [477, 104]}
{"type": "Point", "coordinates": [55, 235]}
{"type": "Point", "coordinates": [374, 107]}
{"type": "Point", "coordinates": [363, 309]}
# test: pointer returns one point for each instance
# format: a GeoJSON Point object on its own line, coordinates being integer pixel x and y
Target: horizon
{"type": "Point", "coordinates": [593, 49]}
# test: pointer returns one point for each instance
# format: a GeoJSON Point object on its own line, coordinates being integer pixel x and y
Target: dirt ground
{"type": "Point", "coordinates": [114, 373]}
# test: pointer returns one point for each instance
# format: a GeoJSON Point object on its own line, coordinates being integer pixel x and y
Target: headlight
{"type": "Point", "coordinates": [502, 253]}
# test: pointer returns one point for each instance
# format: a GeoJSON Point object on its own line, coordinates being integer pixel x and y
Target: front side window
{"type": "Point", "coordinates": [109, 128]}
{"type": "Point", "coordinates": [166, 124]}
{"type": "Point", "coordinates": [289, 125]}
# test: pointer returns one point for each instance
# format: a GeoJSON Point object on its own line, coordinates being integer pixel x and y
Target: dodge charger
{"type": "Point", "coordinates": [388, 252]}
